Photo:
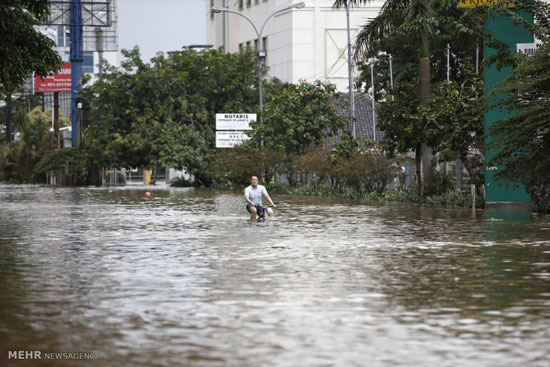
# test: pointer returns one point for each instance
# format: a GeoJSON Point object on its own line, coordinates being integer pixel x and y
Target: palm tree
{"type": "Point", "coordinates": [414, 18]}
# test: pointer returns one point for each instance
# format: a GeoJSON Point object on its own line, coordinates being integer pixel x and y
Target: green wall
{"type": "Point", "coordinates": [504, 30]}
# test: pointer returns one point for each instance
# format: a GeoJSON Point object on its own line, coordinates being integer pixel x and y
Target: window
{"type": "Point", "coordinates": [248, 3]}
{"type": "Point", "coordinates": [241, 4]}
{"type": "Point", "coordinates": [256, 45]}
{"type": "Point", "coordinates": [88, 62]}
{"type": "Point", "coordinates": [248, 44]}
{"type": "Point", "coordinates": [211, 6]}
{"type": "Point", "coordinates": [241, 47]}
{"type": "Point", "coordinates": [61, 36]}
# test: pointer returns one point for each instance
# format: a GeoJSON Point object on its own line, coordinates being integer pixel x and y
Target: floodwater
{"type": "Point", "coordinates": [184, 279]}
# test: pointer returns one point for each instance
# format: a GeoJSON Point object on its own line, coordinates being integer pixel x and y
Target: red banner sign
{"type": "Point", "coordinates": [58, 82]}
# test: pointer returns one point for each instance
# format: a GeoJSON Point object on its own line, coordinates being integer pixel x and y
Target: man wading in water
{"type": "Point", "coordinates": [253, 196]}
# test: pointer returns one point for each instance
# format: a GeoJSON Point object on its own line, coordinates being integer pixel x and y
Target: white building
{"type": "Point", "coordinates": [301, 44]}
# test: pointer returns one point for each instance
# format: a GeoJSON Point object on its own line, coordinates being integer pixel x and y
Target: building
{"type": "Point", "coordinates": [302, 44]}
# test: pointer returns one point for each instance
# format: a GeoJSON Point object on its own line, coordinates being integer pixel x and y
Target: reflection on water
{"type": "Point", "coordinates": [183, 279]}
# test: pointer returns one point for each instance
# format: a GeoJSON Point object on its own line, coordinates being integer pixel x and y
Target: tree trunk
{"type": "Point", "coordinates": [419, 180]}
{"type": "Point", "coordinates": [9, 116]}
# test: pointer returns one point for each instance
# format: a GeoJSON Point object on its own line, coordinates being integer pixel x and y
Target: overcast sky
{"type": "Point", "coordinates": [160, 25]}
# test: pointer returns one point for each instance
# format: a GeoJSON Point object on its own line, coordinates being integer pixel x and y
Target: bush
{"type": "Point", "coordinates": [455, 198]}
{"type": "Point", "coordinates": [317, 161]}
{"type": "Point", "coordinates": [181, 182]}
{"type": "Point", "coordinates": [235, 166]}
{"type": "Point", "coordinates": [441, 183]}
{"type": "Point", "coordinates": [366, 170]}
{"type": "Point", "coordinates": [540, 196]}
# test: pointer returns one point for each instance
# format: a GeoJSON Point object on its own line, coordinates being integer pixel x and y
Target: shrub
{"type": "Point", "coordinates": [441, 183]}
{"type": "Point", "coordinates": [237, 165]}
{"type": "Point", "coordinates": [366, 169]}
{"type": "Point", "coordinates": [181, 182]}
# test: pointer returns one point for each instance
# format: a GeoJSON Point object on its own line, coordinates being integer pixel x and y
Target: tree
{"type": "Point", "coordinates": [450, 124]}
{"type": "Point", "coordinates": [36, 140]}
{"type": "Point", "coordinates": [522, 141]}
{"type": "Point", "coordinates": [22, 48]}
{"type": "Point", "coordinates": [415, 19]}
{"type": "Point", "coordinates": [298, 116]}
{"type": "Point", "coordinates": [430, 25]}
{"type": "Point", "coordinates": [163, 112]}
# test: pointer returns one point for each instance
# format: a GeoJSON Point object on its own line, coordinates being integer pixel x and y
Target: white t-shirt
{"type": "Point", "coordinates": [255, 194]}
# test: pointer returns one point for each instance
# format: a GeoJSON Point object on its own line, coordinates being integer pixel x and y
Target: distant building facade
{"type": "Point", "coordinates": [99, 43]}
{"type": "Point", "coordinates": [302, 44]}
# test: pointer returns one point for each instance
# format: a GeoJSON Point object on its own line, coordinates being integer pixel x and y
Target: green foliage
{"type": "Point", "coordinates": [163, 113]}
{"type": "Point", "coordinates": [22, 48]}
{"type": "Point", "coordinates": [441, 183]}
{"type": "Point", "coordinates": [56, 160]}
{"type": "Point", "coordinates": [235, 166]}
{"type": "Point", "coordinates": [522, 141]}
{"type": "Point", "coordinates": [451, 124]}
{"type": "Point", "coordinates": [366, 169]}
{"type": "Point", "coordinates": [181, 182]}
{"type": "Point", "coordinates": [36, 139]}
{"type": "Point", "coordinates": [317, 161]}
{"type": "Point", "coordinates": [454, 198]}
{"type": "Point", "coordinates": [299, 116]}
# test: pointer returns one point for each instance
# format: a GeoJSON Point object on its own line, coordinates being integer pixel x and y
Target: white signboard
{"type": "Point", "coordinates": [528, 49]}
{"type": "Point", "coordinates": [234, 121]}
{"type": "Point", "coordinates": [228, 139]}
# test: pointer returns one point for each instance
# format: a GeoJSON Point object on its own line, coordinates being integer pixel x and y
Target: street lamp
{"type": "Point", "coordinates": [350, 72]}
{"type": "Point", "coordinates": [390, 57]}
{"type": "Point", "coordinates": [261, 51]}
{"type": "Point", "coordinates": [371, 62]}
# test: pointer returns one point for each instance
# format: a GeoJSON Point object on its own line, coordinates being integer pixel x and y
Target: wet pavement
{"type": "Point", "coordinates": [184, 279]}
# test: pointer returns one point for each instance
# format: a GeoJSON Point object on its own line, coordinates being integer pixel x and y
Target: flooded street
{"type": "Point", "coordinates": [184, 279]}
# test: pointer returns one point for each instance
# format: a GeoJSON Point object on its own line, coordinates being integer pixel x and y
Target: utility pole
{"type": "Point", "coordinates": [391, 70]}
{"type": "Point", "coordinates": [373, 106]}
{"type": "Point", "coordinates": [350, 74]}
{"type": "Point", "coordinates": [76, 64]}
{"type": "Point", "coordinates": [225, 28]}
{"type": "Point", "coordinates": [448, 63]}
{"type": "Point", "coordinates": [56, 118]}
{"type": "Point", "coordinates": [99, 43]}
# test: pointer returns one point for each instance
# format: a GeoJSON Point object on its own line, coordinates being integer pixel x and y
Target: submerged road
{"type": "Point", "coordinates": [184, 279]}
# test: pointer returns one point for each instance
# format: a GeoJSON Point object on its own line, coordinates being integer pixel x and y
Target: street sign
{"type": "Point", "coordinates": [228, 139]}
{"type": "Point", "coordinates": [234, 121]}
{"type": "Point", "coordinates": [474, 3]}
{"type": "Point", "coordinates": [528, 49]}
{"type": "Point", "coordinates": [56, 82]}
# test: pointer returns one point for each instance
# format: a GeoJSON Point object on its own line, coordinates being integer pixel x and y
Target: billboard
{"type": "Point", "coordinates": [56, 82]}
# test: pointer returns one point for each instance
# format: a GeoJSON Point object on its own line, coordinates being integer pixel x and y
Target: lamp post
{"type": "Point", "coordinates": [371, 62]}
{"type": "Point", "coordinates": [350, 74]}
{"type": "Point", "coordinates": [261, 51]}
{"type": "Point", "coordinates": [390, 57]}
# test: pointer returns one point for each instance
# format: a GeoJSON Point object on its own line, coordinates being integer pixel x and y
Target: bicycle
{"type": "Point", "coordinates": [266, 209]}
